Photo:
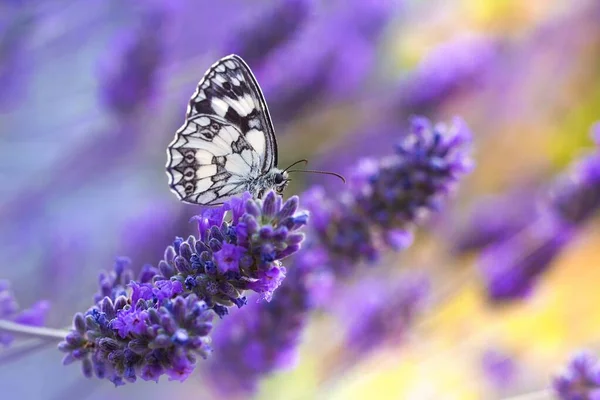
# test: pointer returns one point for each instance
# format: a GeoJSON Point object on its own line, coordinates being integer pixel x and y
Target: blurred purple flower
{"type": "Point", "coordinates": [129, 73]}
{"type": "Point", "coordinates": [460, 62]}
{"type": "Point", "coordinates": [510, 268]}
{"type": "Point", "coordinates": [9, 311]}
{"type": "Point", "coordinates": [128, 81]}
{"type": "Point", "coordinates": [385, 310]}
{"type": "Point", "coordinates": [332, 70]}
{"type": "Point", "coordinates": [262, 338]}
{"type": "Point", "coordinates": [499, 368]}
{"type": "Point", "coordinates": [262, 34]}
{"type": "Point", "coordinates": [388, 196]}
{"type": "Point", "coordinates": [365, 18]}
{"type": "Point", "coordinates": [580, 380]}
{"type": "Point", "coordinates": [495, 219]}
{"type": "Point", "coordinates": [15, 26]}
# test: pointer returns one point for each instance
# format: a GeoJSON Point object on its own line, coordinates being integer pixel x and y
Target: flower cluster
{"type": "Point", "coordinates": [580, 380]}
{"type": "Point", "coordinates": [9, 311]}
{"type": "Point", "coordinates": [139, 330]}
{"type": "Point", "coordinates": [158, 323]}
{"type": "Point", "coordinates": [229, 258]}
{"type": "Point", "coordinates": [390, 195]}
{"type": "Point", "coordinates": [512, 266]}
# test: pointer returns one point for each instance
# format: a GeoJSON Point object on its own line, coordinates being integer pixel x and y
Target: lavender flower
{"type": "Point", "coordinates": [384, 311]}
{"type": "Point", "coordinates": [245, 253]}
{"type": "Point", "coordinates": [129, 77]}
{"type": "Point", "coordinates": [141, 330]}
{"type": "Point", "coordinates": [389, 196]}
{"type": "Point", "coordinates": [580, 380]}
{"type": "Point", "coordinates": [453, 65]}
{"type": "Point", "coordinates": [510, 268]}
{"type": "Point", "coordinates": [9, 311]}
{"type": "Point", "coordinates": [496, 219]}
{"type": "Point", "coordinates": [331, 71]}
{"type": "Point", "coordinates": [158, 323]}
{"type": "Point", "coordinates": [264, 336]}
{"type": "Point", "coordinates": [256, 39]}
{"type": "Point", "coordinates": [16, 25]}
{"type": "Point", "coordinates": [366, 18]}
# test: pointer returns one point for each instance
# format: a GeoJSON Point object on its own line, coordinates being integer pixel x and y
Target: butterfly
{"type": "Point", "coordinates": [227, 144]}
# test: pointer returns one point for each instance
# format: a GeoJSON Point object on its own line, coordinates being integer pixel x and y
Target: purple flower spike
{"type": "Point", "coordinates": [385, 312]}
{"type": "Point", "coordinates": [496, 219]}
{"type": "Point", "coordinates": [389, 196]}
{"type": "Point", "coordinates": [580, 379]}
{"type": "Point", "coordinates": [129, 78]}
{"type": "Point", "coordinates": [238, 254]}
{"type": "Point", "coordinates": [511, 267]}
{"type": "Point", "coordinates": [148, 332]}
{"type": "Point", "coordinates": [255, 40]}
{"type": "Point", "coordinates": [460, 62]}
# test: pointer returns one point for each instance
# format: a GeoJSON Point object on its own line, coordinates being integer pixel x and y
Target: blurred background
{"type": "Point", "coordinates": [92, 92]}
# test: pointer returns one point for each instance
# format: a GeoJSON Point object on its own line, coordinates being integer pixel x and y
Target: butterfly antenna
{"type": "Point", "coordinates": [296, 163]}
{"type": "Point", "coordinates": [320, 172]}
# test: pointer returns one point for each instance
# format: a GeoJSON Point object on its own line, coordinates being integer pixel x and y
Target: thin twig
{"type": "Point", "coordinates": [33, 331]}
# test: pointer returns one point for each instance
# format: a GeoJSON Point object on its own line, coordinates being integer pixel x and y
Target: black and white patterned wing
{"type": "Point", "coordinates": [230, 91]}
{"type": "Point", "coordinates": [227, 139]}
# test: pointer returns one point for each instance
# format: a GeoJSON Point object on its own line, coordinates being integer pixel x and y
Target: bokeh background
{"type": "Point", "coordinates": [92, 92]}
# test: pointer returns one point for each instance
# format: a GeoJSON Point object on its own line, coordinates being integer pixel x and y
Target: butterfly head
{"type": "Point", "coordinates": [280, 181]}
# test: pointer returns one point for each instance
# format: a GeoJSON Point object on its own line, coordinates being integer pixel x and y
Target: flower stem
{"type": "Point", "coordinates": [33, 331]}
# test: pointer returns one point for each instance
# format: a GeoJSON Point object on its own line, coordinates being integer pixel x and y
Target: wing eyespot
{"type": "Point", "coordinates": [189, 156]}
{"type": "Point", "coordinates": [188, 173]}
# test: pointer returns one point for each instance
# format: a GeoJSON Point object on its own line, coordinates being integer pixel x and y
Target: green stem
{"type": "Point", "coordinates": [47, 334]}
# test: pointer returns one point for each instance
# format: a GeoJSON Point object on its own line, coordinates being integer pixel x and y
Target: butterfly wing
{"type": "Point", "coordinates": [227, 139]}
{"type": "Point", "coordinates": [230, 90]}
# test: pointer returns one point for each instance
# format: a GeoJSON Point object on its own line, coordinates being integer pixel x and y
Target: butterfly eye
{"type": "Point", "coordinates": [279, 179]}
